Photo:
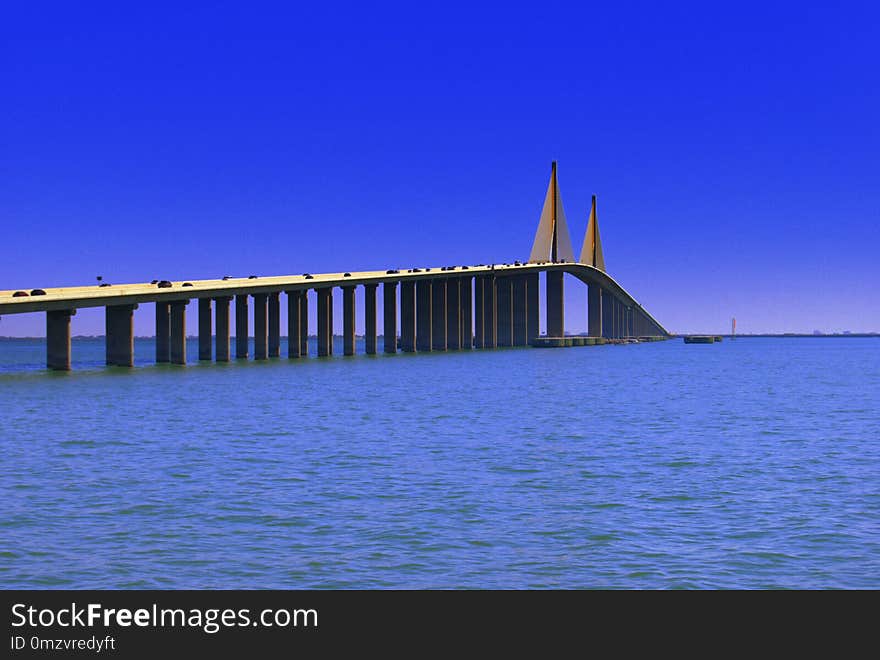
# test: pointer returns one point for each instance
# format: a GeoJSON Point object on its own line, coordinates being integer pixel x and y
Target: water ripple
{"type": "Point", "coordinates": [753, 464]}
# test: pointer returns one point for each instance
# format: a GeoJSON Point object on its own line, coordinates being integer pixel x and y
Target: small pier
{"type": "Point", "coordinates": [701, 339]}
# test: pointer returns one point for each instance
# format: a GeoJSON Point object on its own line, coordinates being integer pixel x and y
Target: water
{"type": "Point", "coordinates": [753, 463]}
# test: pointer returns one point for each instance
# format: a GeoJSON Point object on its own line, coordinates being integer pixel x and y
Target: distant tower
{"type": "Point", "coordinates": [591, 252]}
{"type": "Point", "coordinates": [552, 240]}
{"type": "Point", "coordinates": [733, 328]}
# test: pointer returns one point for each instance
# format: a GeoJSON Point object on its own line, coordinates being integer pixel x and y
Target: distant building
{"type": "Point", "coordinates": [818, 332]}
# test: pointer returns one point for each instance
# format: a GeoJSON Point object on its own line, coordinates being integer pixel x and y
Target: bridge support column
{"type": "Point", "coordinates": [163, 332]}
{"type": "Point", "coordinates": [423, 315]}
{"type": "Point", "coordinates": [616, 322]}
{"type": "Point", "coordinates": [120, 335]}
{"type": "Point", "coordinates": [555, 304]}
{"type": "Point", "coordinates": [453, 314]}
{"type": "Point", "coordinates": [370, 339]}
{"type": "Point", "coordinates": [205, 328]}
{"type": "Point", "coordinates": [408, 316]}
{"type": "Point", "coordinates": [645, 328]}
{"type": "Point", "coordinates": [325, 321]}
{"type": "Point", "coordinates": [490, 313]}
{"type": "Point", "coordinates": [534, 308]}
{"type": "Point", "coordinates": [465, 289]}
{"type": "Point", "coordinates": [178, 331]}
{"type": "Point", "coordinates": [241, 326]}
{"type": "Point", "coordinates": [261, 326]}
{"type": "Point", "coordinates": [348, 309]}
{"type": "Point", "coordinates": [294, 305]}
{"type": "Point", "coordinates": [58, 339]}
{"type": "Point", "coordinates": [304, 324]}
{"type": "Point", "coordinates": [479, 311]}
{"type": "Point", "coordinates": [389, 312]}
{"type": "Point", "coordinates": [607, 314]}
{"type": "Point", "coordinates": [438, 315]}
{"type": "Point", "coordinates": [221, 330]}
{"type": "Point", "coordinates": [520, 310]}
{"type": "Point", "coordinates": [594, 310]}
{"type": "Point", "coordinates": [612, 318]}
{"type": "Point", "coordinates": [504, 311]}
{"type": "Point", "coordinates": [274, 325]}
{"type": "Point", "coordinates": [618, 319]}
{"type": "Point", "coordinates": [630, 330]}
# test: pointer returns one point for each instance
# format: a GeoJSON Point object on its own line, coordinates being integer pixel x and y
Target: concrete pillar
{"type": "Point", "coordinates": [325, 329]}
{"type": "Point", "coordinates": [438, 315]}
{"type": "Point", "coordinates": [348, 309]}
{"type": "Point", "coordinates": [293, 323]}
{"type": "Point", "coordinates": [490, 316]}
{"type": "Point", "coordinates": [618, 330]}
{"type": "Point", "coordinates": [370, 339]}
{"type": "Point", "coordinates": [424, 323]}
{"type": "Point", "coordinates": [221, 328]}
{"type": "Point", "coordinates": [408, 316]}
{"type": "Point", "coordinates": [629, 322]}
{"type": "Point", "coordinates": [504, 311]}
{"type": "Point", "coordinates": [615, 321]}
{"type": "Point", "coordinates": [261, 326]}
{"type": "Point", "coordinates": [389, 311]}
{"type": "Point", "coordinates": [465, 285]}
{"type": "Point", "coordinates": [534, 308]}
{"type": "Point", "coordinates": [58, 339]}
{"type": "Point", "coordinates": [241, 326]}
{"type": "Point", "coordinates": [163, 332]}
{"type": "Point", "coordinates": [618, 314]}
{"type": "Point", "coordinates": [304, 324]}
{"type": "Point", "coordinates": [274, 325]}
{"type": "Point", "coordinates": [520, 310]}
{"type": "Point", "coordinates": [555, 304]}
{"type": "Point", "coordinates": [205, 329]}
{"type": "Point", "coordinates": [120, 335]}
{"type": "Point", "coordinates": [330, 322]}
{"type": "Point", "coordinates": [618, 326]}
{"type": "Point", "coordinates": [453, 314]}
{"type": "Point", "coordinates": [479, 316]}
{"type": "Point", "coordinates": [594, 310]}
{"type": "Point", "coordinates": [612, 322]}
{"type": "Point", "coordinates": [644, 325]}
{"type": "Point", "coordinates": [178, 331]}
{"type": "Point", "coordinates": [605, 301]}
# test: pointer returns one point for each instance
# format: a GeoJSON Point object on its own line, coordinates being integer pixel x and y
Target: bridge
{"type": "Point", "coordinates": [436, 309]}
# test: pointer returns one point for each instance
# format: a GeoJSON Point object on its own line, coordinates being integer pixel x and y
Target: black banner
{"type": "Point", "coordinates": [282, 623]}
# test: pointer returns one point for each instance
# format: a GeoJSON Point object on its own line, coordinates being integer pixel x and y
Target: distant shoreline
{"type": "Point", "coordinates": [784, 335]}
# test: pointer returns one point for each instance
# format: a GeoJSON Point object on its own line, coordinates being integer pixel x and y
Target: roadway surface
{"type": "Point", "coordinates": [57, 298]}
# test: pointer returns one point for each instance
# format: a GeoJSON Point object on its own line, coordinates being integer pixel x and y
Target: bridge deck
{"type": "Point", "coordinates": [59, 298]}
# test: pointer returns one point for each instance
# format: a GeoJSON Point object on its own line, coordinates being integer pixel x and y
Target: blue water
{"type": "Point", "coordinates": [753, 463]}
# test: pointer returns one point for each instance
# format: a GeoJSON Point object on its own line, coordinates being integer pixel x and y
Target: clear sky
{"type": "Point", "coordinates": [733, 146]}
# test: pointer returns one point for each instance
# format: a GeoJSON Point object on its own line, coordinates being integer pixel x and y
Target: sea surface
{"type": "Point", "coordinates": [753, 463]}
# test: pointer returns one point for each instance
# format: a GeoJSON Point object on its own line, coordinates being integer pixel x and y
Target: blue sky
{"type": "Point", "coordinates": [734, 148]}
